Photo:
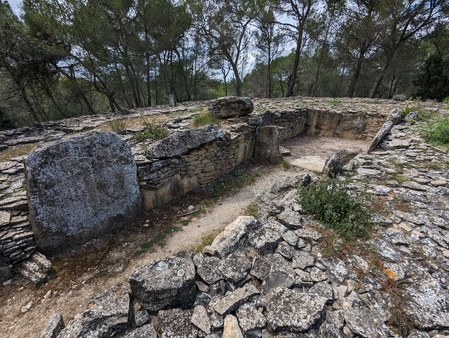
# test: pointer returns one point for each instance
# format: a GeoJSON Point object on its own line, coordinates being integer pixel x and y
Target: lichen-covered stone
{"type": "Point", "coordinates": [107, 315]}
{"type": "Point", "coordinates": [231, 106]}
{"type": "Point", "coordinates": [232, 236]}
{"type": "Point", "coordinates": [288, 310]}
{"type": "Point", "coordinates": [181, 142]}
{"type": "Point", "coordinates": [80, 188]}
{"type": "Point", "coordinates": [229, 303]}
{"type": "Point", "coordinates": [54, 326]}
{"type": "Point", "coordinates": [176, 323]}
{"type": "Point", "coordinates": [165, 284]}
{"type": "Point", "coordinates": [145, 331]}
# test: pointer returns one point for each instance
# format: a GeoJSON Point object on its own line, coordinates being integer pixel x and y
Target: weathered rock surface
{"type": "Point", "coordinates": [107, 315]}
{"type": "Point", "coordinates": [36, 269]}
{"type": "Point", "coordinates": [80, 188]}
{"type": "Point", "coordinates": [231, 106]}
{"type": "Point", "coordinates": [176, 323]}
{"type": "Point", "coordinates": [165, 284]}
{"type": "Point", "coordinates": [181, 142]}
{"type": "Point", "coordinates": [54, 327]}
{"type": "Point", "coordinates": [267, 145]}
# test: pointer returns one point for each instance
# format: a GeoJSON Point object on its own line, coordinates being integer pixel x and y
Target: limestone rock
{"type": "Point", "coordinates": [54, 327]}
{"type": "Point", "coordinates": [146, 331]}
{"type": "Point", "coordinates": [232, 236]}
{"type": "Point", "coordinates": [381, 134]}
{"type": "Point", "coordinates": [36, 268]}
{"type": "Point", "coordinates": [277, 279]}
{"type": "Point", "coordinates": [80, 188]}
{"type": "Point", "coordinates": [231, 328]}
{"type": "Point", "coordinates": [231, 106]}
{"type": "Point", "coordinates": [234, 299]}
{"type": "Point", "coordinates": [165, 284]}
{"type": "Point", "coordinates": [200, 319]}
{"type": "Point", "coordinates": [365, 322]}
{"type": "Point", "coordinates": [176, 323]}
{"type": "Point", "coordinates": [107, 315]}
{"type": "Point", "coordinates": [235, 267]}
{"type": "Point", "coordinates": [267, 145]}
{"type": "Point", "coordinates": [206, 268]}
{"type": "Point", "coordinates": [290, 219]}
{"type": "Point", "coordinates": [250, 318]}
{"type": "Point", "coordinates": [182, 142]}
{"type": "Point", "coordinates": [288, 310]}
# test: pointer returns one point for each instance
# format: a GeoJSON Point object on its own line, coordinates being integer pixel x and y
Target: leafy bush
{"type": "Point", "coordinates": [151, 131]}
{"type": "Point", "coordinates": [205, 119]}
{"type": "Point", "coordinates": [399, 97]}
{"type": "Point", "coordinates": [335, 102]}
{"type": "Point", "coordinates": [436, 131]}
{"type": "Point", "coordinates": [331, 203]}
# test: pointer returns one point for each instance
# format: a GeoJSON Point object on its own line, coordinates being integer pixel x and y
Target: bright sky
{"type": "Point", "coordinates": [15, 5]}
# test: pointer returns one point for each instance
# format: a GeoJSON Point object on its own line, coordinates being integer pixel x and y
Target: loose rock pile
{"type": "Point", "coordinates": [280, 275]}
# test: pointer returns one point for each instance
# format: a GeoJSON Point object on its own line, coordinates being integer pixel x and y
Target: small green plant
{"type": "Point", "coordinates": [330, 202]}
{"type": "Point", "coordinates": [159, 239]}
{"type": "Point", "coordinates": [151, 131]}
{"type": "Point", "coordinates": [399, 97]}
{"type": "Point", "coordinates": [185, 222]}
{"type": "Point", "coordinates": [400, 178]}
{"type": "Point", "coordinates": [285, 164]}
{"type": "Point", "coordinates": [207, 240]}
{"type": "Point", "coordinates": [446, 102]}
{"type": "Point", "coordinates": [118, 126]}
{"type": "Point", "coordinates": [205, 119]}
{"type": "Point", "coordinates": [252, 210]}
{"type": "Point", "coordinates": [436, 131]}
{"type": "Point", "coordinates": [335, 102]}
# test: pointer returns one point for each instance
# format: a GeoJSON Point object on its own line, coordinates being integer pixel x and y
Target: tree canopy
{"type": "Point", "coordinates": [61, 58]}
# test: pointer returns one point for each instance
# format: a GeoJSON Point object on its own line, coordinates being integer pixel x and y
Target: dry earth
{"type": "Point", "coordinates": [103, 263]}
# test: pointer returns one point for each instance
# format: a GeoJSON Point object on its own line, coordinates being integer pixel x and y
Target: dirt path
{"type": "Point", "coordinates": [94, 267]}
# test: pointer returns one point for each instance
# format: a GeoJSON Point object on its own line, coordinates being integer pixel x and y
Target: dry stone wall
{"type": "Point", "coordinates": [163, 176]}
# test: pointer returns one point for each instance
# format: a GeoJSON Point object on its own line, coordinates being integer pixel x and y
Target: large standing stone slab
{"type": "Point", "coordinates": [80, 188]}
{"type": "Point", "coordinates": [267, 145]}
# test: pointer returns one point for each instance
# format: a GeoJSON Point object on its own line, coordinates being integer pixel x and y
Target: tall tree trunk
{"type": "Point", "coordinates": [148, 78]}
{"type": "Point", "coordinates": [293, 75]}
{"type": "Point", "coordinates": [381, 76]}
{"type": "Point", "coordinates": [355, 76]}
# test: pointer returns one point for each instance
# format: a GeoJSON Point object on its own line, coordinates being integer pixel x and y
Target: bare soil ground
{"type": "Point", "coordinates": [102, 263]}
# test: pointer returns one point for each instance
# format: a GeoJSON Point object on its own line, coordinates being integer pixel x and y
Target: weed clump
{"type": "Point", "coordinates": [205, 119]}
{"type": "Point", "coordinates": [436, 131]}
{"type": "Point", "coordinates": [329, 201]}
{"type": "Point", "coordinates": [118, 126]}
{"type": "Point", "coordinates": [151, 131]}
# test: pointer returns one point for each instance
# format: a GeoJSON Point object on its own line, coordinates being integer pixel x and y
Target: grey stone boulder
{"type": "Point", "coordinates": [206, 268]}
{"type": "Point", "coordinates": [200, 319]}
{"type": "Point", "coordinates": [181, 142]}
{"type": "Point", "coordinates": [251, 319]}
{"type": "Point", "coordinates": [165, 284]}
{"type": "Point", "coordinates": [365, 322]}
{"type": "Point", "coordinates": [234, 299]}
{"type": "Point", "coordinates": [54, 326]}
{"type": "Point", "coordinates": [107, 315]}
{"type": "Point", "coordinates": [234, 235]}
{"type": "Point", "coordinates": [291, 219]}
{"type": "Point", "coordinates": [277, 279]}
{"type": "Point", "coordinates": [235, 267]}
{"type": "Point", "coordinates": [231, 106]}
{"type": "Point", "coordinates": [334, 164]}
{"type": "Point", "coordinates": [36, 268]}
{"type": "Point", "coordinates": [231, 328]}
{"type": "Point", "coordinates": [80, 188]}
{"type": "Point", "coordinates": [176, 323]}
{"type": "Point", "coordinates": [266, 148]}
{"type": "Point", "coordinates": [288, 310]}
{"type": "Point", "coordinates": [380, 136]}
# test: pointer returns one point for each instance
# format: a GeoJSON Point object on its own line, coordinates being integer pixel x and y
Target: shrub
{"type": "Point", "coordinates": [399, 98]}
{"type": "Point", "coordinates": [329, 201]}
{"type": "Point", "coordinates": [205, 119]}
{"type": "Point", "coordinates": [436, 131]}
{"type": "Point", "coordinates": [151, 131]}
{"type": "Point", "coordinates": [118, 126]}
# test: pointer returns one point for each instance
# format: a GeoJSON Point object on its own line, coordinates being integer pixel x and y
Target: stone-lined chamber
{"type": "Point", "coordinates": [80, 188]}
{"type": "Point", "coordinates": [188, 159]}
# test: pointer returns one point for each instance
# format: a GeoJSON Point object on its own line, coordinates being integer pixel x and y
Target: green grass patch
{"type": "Point", "coordinates": [329, 201]}
{"type": "Point", "coordinates": [118, 126]}
{"type": "Point", "coordinates": [159, 239]}
{"type": "Point", "coordinates": [285, 164]}
{"type": "Point", "coordinates": [185, 222]}
{"type": "Point", "coordinates": [207, 240]}
{"type": "Point", "coordinates": [205, 119]}
{"type": "Point", "coordinates": [151, 131]}
{"type": "Point", "coordinates": [335, 102]}
{"type": "Point", "coordinates": [436, 131]}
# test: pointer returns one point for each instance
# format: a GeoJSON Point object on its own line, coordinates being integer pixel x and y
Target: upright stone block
{"type": "Point", "coordinates": [80, 188]}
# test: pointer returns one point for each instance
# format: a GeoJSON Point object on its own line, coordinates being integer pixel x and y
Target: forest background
{"type": "Point", "coordinates": [65, 58]}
